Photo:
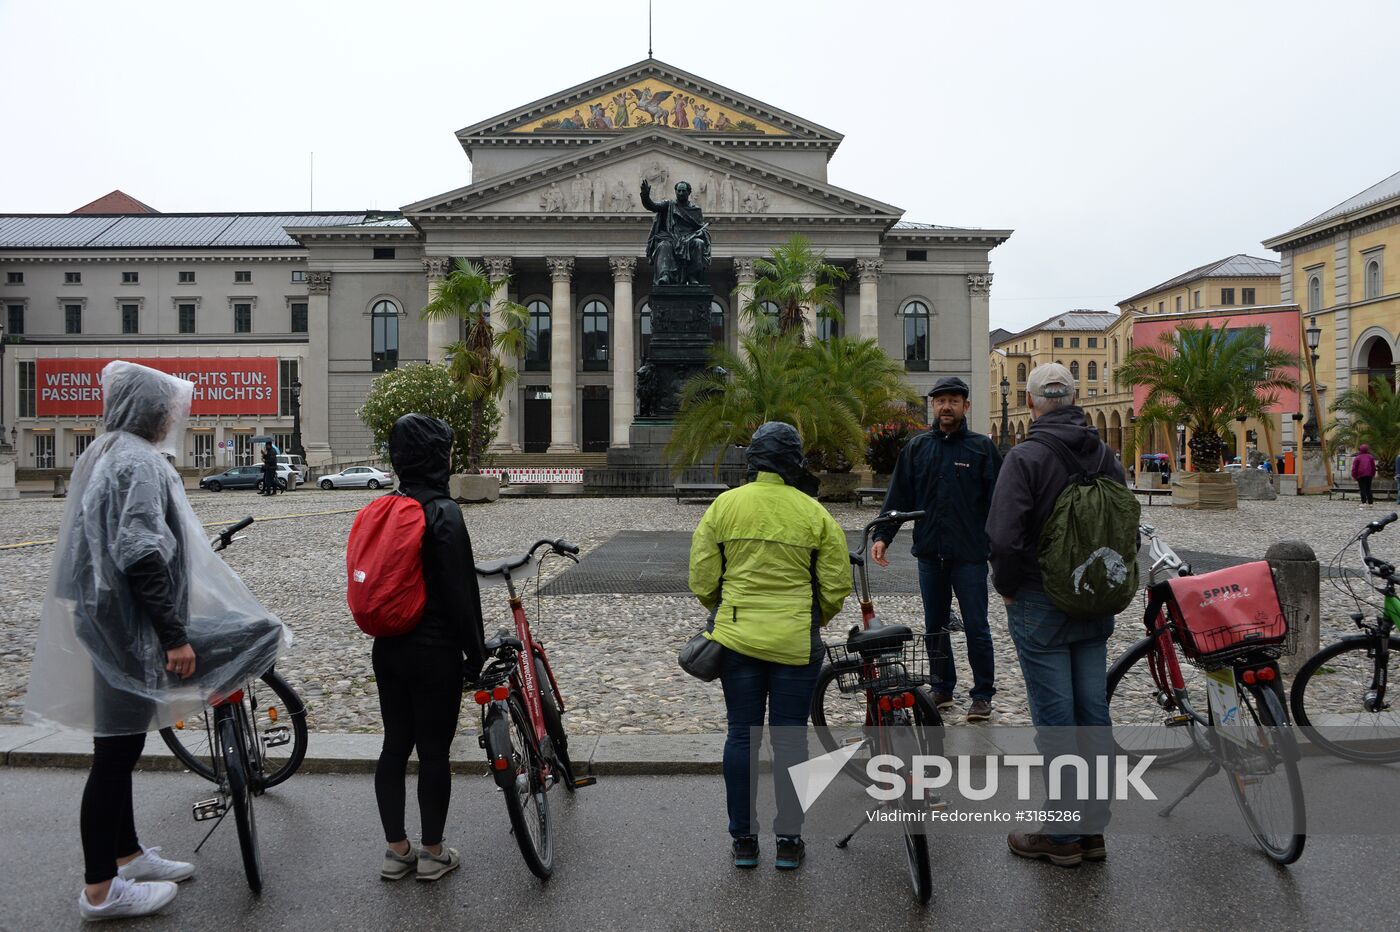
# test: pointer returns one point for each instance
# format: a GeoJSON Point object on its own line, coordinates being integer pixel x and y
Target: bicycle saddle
{"type": "Point", "coordinates": [501, 640]}
{"type": "Point", "coordinates": [503, 565]}
{"type": "Point", "coordinates": [878, 639]}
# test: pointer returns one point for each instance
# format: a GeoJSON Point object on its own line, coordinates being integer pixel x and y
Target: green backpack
{"type": "Point", "coordinates": [1088, 548]}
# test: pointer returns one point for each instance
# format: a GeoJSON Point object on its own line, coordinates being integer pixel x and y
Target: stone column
{"type": "Point", "coordinates": [869, 270]}
{"type": "Point", "coordinates": [809, 314]}
{"type": "Point", "coordinates": [624, 374]}
{"type": "Point", "coordinates": [979, 290]}
{"type": "Point", "coordinates": [562, 364]}
{"type": "Point", "coordinates": [498, 268]}
{"type": "Point", "coordinates": [441, 332]}
{"type": "Point", "coordinates": [744, 278]}
{"type": "Point", "coordinates": [315, 371]}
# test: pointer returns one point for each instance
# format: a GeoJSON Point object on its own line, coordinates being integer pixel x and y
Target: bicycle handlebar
{"type": "Point", "coordinates": [559, 545]}
{"type": "Point", "coordinates": [1378, 567]}
{"type": "Point", "coordinates": [225, 537]}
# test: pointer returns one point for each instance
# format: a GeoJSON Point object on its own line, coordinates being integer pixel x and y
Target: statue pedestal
{"type": "Point", "coordinates": [680, 345]}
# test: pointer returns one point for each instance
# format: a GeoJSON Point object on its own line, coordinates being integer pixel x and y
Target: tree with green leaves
{"type": "Point", "coordinates": [1203, 377]}
{"type": "Point", "coordinates": [866, 380]}
{"type": "Point", "coordinates": [431, 390]}
{"type": "Point", "coordinates": [475, 362]}
{"type": "Point", "coordinates": [1372, 416]}
{"type": "Point", "coordinates": [796, 278]}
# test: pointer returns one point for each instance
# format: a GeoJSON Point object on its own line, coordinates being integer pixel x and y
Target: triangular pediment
{"type": "Point", "coordinates": [646, 95]}
{"type": "Point", "coordinates": [604, 179]}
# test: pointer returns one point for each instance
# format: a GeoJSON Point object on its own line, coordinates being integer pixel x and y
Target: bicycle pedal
{"type": "Point", "coordinates": [276, 736]}
{"type": "Point", "coordinates": [206, 809]}
{"type": "Point", "coordinates": [585, 781]}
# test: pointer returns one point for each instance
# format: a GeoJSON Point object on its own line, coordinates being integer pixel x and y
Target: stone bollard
{"type": "Point", "coordinates": [1298, 577]}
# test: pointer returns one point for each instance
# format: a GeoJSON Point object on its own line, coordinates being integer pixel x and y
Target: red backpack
{"type": "Point", "coordinates": [384, 566]}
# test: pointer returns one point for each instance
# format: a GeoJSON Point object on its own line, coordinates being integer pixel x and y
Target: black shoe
{"type": "Point", "coordinates": [791, 851]}
{"type": "Point", "coordinates": [746, 851]}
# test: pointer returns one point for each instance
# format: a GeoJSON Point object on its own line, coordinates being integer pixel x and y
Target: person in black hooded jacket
{"type": "Point", "coordinates": [419, 674]}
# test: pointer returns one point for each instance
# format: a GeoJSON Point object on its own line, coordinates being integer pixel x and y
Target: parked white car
{"type": "Point", "coordinates": [358, 477]}
{"type": "Point", "coordinates": [295, 462]}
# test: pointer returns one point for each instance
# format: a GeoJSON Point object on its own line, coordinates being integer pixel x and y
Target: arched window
{"type": "Point", "coordinates": [644, 328]}
{"type": "Point", "coordinates": [827, 326]}
{"type": "Point", "coordinates": [1093, 372]}
{"type": "Point", "coordinates": [717, 323]}
{"type": "Point", "coordinates": [537, 332]}
{"type": "Point", "coordinates": [1021, 372]}
{"type": "Point", "coordinates": [770, 309]}
{"type": "Point", "coordinates": [384, 336]}
{"type": "Point", "coordinates": [595, 335]}
{"type": "Point", "coordinates": [1074, 369]}
{"type": "Point", "coordinates": [1115, 351]}
{"type": "Point", "coordinates": [1373, 278]}
{"type": "Point", "coordinates": [1315, 293]}
{"type": "Point", "coordinates": [916, 336]}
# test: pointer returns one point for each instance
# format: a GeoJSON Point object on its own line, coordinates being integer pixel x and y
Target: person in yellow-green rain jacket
{"type": "Point", "coordinates": [772, 566]}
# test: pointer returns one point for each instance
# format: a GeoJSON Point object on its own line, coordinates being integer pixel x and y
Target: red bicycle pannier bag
{"type": "Point", "coordinates": [384, 566]}
{"type": "Point", "coordinates": [1227, 612]}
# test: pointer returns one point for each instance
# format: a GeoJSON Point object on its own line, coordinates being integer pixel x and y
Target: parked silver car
{"type": "Point", "coordinates": [358, 477]}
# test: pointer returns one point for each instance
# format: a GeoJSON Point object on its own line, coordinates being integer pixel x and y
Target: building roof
{"type": "Point", "coordinates": [999, 335]}
{"type": "Point", "coordinates": [1080, 319]}
{"type": "Point", "coordinates": [1237, 266]}
{"type": "Point", "coordinates": [1380, 191]}
{"type": "Point", "coordinates": [156, 231]}
{"type": "Point", "coordinates": [116, 202]}
{"type": "Point", "coordinates": [911, 225]}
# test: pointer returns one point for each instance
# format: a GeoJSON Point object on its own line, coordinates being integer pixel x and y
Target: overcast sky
{"type": "Point", "coordinates": [1123, 142]}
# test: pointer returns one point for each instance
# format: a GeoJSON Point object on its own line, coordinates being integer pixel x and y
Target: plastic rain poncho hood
{"type": "Point", "coordinates": [98, 665]}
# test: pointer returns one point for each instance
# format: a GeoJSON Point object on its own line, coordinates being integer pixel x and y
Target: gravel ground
{"type": "Point", "coordinates": [614, 654]}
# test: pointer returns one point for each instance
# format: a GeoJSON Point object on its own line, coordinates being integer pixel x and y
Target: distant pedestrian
{"type": "Point", "coordinates": [1363, 470]}
{"type": "Point", "coordinates": [269, 470]}
{"type": "Point", "coordinates": [949, 473]}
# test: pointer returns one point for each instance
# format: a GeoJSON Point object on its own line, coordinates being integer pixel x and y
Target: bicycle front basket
{"type": "Point", "coordinates": [904, 667]}
{"type": "Point", "coordinates": [1230, 613]}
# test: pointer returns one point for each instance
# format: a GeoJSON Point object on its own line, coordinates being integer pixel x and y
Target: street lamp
{"type": "Point", "coordinates": [1005, 435]}
{"type": "Point", "coordinates": [3, 444]}
{"type": "Point", "coordinates": [297, 448]}
{"type": "Point", "coordinates": [1310, 431]}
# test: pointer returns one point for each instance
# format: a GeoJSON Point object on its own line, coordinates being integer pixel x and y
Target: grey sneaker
{"type": "Point", "coordinates": [399, 866]}
{"type": "Point", "coordinates": [431, 867]}
{"type": "Point", "coordinates": [128, 898]}
{"type": "Point", "coordinates": [149, 865]}
{"type": "Point", "coordinates": [980, 710]}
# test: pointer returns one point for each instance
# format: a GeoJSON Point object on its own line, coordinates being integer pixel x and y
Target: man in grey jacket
{"type": "Point", "coordinates": [1063, 659]}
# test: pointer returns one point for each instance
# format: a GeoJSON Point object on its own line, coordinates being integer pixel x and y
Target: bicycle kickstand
{"type": "Point", "coordinates": [846, 839]}
{"type": "Point", "coordinates": [1211, 770]}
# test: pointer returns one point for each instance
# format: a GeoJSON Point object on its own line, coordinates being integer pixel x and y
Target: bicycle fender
{"type": "Point", "coordinates": [496, 735]}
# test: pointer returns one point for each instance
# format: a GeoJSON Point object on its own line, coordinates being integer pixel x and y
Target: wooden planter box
{"type": "Point", "coordinates": [1204, 491]}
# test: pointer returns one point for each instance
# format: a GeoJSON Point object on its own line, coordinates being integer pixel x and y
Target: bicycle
{"type": "Point", "coordinates": [1245, 730]}
{"type": "Point", "coordinates": [520, 702]}
{"type": "Point", "coordinates": [225, 747]}
{"type": "Point", "coordinates": [1356, 669]}
{"type": "Point", "coordinates": [881, 675]}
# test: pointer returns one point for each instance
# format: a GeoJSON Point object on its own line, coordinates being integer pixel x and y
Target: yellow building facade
{"type": "Point", "coordinates": [1075, 339]}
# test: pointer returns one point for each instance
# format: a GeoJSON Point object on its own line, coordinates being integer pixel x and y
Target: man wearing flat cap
{"type": "Point", "coordinates": [949, 473]}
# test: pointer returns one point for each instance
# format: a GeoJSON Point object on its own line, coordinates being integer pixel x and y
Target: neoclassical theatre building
{"type": "Point", "coordinates": [553, 205]}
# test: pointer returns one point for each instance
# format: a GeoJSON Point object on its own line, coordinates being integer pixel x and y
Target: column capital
{"type": "Point", "coordinates": [743, 269]}
{"type": "Point", "coordinates": [979, 284]}
{"type": "Point", "coordinates": [561, 268]}
{"type": "Point", "coordinates": [435, 267]}
{"type": "Point", "coordinates": [869, 269]}
{"type": "Point", "coordinates": [498, 267]}
{"type": "Point", "coordinates": [318, 282]}
{"type": "Point", "coordinates": [623, 267]}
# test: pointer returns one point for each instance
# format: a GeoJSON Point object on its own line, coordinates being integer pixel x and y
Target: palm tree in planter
{"type": "Point", "coordinates": [474, 362]}
{"type": "Point", "coordinates": [795, 277]}
{"type": "Point", "coordinates": [865, 379]}
{"type": "Point", "coordinates": [1372, 417]}
{"type": "Point", "coordinates": [1203, 377]}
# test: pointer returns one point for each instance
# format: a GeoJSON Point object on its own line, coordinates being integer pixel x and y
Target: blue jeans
{"type": "Point", "coordinates": [750, 685]}
{"type": "Point", "coordinates": [1065, 663]}
{"type": "Point", "coordinates": [939, 580]}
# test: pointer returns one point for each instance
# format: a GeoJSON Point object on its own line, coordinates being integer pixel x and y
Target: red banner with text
{"type": "Point", "coordinates": [73, 387]}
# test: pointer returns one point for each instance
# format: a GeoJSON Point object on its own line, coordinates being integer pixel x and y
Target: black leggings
{"type": "Point", "coordinates": [107, 823]}
{"type": "Point", "coordinates": [420, 696]}
{"type": "Point", "coordinates": [1365, 485]}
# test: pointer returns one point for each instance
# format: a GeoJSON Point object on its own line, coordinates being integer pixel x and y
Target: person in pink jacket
{"type": "Point", "coordinates": [1363, 470]}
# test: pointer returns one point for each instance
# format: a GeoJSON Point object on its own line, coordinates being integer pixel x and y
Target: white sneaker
{"type": "Point", "coordinates": [126, 899]}
{"type": "Point", "coordinates": [151, 866]}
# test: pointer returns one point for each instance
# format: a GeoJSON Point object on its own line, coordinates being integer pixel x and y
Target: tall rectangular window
{"type": "Point", "coordinates": [1227, 297]}
{"type": "Point", "coordinates": [186, 315]}
{"type": "Point", "coordinates": [24, 375]}
{"type": "Point", "coordinates": [286, 375]}
{"type": "Point", "coordinates": [242, 277]}
{"type": "Point", "coordinates": [72, 318]}
{"type": "Point", "coordinates": [243, 318]}
{"type": "Point", "coordinates": [131, 318]}
{"type": "Point", "coordinates": [1195, 299]}
{"type": "Point", "coordinates": [14, 314]}
{"type": "Point", "coordinates": [298, 317]}
{"type": "Point", "coordinates": [187, 278]}
{"type": "Point", "coordinates": [1093, 343]}
{"type": "Point", "coordinates": [1178, 304]}
{"type": "Point", "coordinates": [1074, 342]}
{"type": "Point", "coordinates": [1162, 306]}
{"type": "Point", "coordinates": [1247, 296]}
{"type": "Point", "coordinates": [1059, 342]}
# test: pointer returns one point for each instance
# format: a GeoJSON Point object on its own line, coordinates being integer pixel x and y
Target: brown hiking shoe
{"type": "Point", "coordinates": [980, 710]}
{"type": "Point", "coordinates": [1093, 848]}
{"type": "Point", "coordinates": [943, 700]}
{"type": "Point", "coordinates": [1037, 846]}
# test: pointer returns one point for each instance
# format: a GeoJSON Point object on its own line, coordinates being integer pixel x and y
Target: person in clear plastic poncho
{"type": "Point", "coordinates": [142, 624]}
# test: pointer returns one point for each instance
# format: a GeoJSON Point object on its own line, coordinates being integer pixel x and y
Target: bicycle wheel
{"type": "Point", "coordinates": [1262, 766]}
{"type": "Point", "coordinates": [554, 726]}
{"type": "Point", "coordinates": [526, 800]}
{"type": "Point", "coordinates": [280, 721]}
{"type": "Point", "coordinates": [235, 760]}
{"type": "Point", "coordinates": [920, 869]}
{"type": "Point", "coordinates": [1329, 701]}
{"type": "Point", "coordinates": [919, 740]}
{"type": "Point", "coordinates": [1139, 710]}
{"type": "Point", "coordinates": [840, 719]}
